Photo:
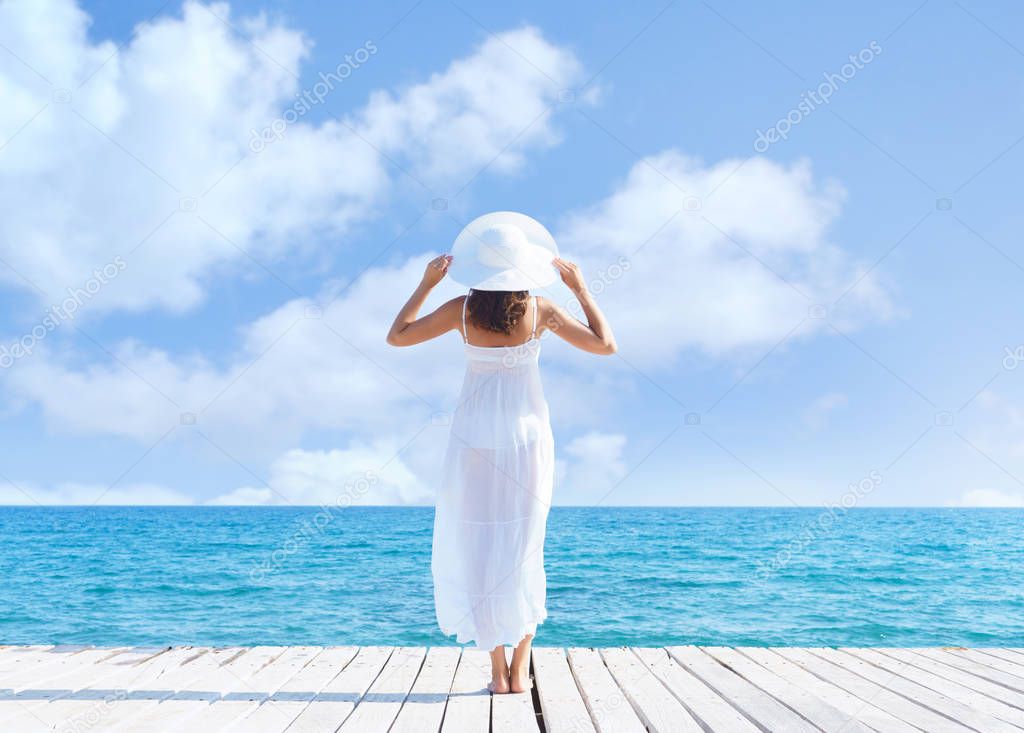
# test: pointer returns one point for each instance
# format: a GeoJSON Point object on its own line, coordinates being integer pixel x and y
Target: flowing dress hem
{"type": "Point", "coordinates": [504, 637]}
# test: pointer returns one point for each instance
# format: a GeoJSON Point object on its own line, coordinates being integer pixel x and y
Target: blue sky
{"type": "Point", "coordinates": [791, 320]}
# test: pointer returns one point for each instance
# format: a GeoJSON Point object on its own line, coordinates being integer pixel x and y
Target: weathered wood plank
{"type": "Point", "coordinates": [48, 667]}
{"type": "Point", "coordinates": [469, 706]}
{"type": "Point", "coordinates": [424, 708]}
{"type": "Point", "coordinates": [607, 704]}
{"type": "Point", "coordinates": [995, 659]}
{"type": "Point", "coordinates": [954, 674]}
{"type": "Point", "coordinates": [917, 692]}
{"type": "Point", "coordinates": [849, 704]}
{"type": "Point", "coordinates": [380, 705]}
{"type": "Point", "coordinates": [408, 690]}
{"type": "Point", "coordinates": [754, 702]}
{"type": "Point", "coordinates": [285, 704]}
{"type": "Point", "coordinates": [806, 704]}
{"type": "Point", "coordinates": [80, 689]}
{"type": "Point", "coordinates": [969, 665]}
{"type": "Point", "coordinates": [953, 690]}
{"type": "Point", "coordinates": [156, 680]}
{"type": "Point", "coordinates": [32, 685]}
{"type": "Point", "coordinates": [560, 700]}
{"type": "Point", "coordinates": [703, 703]}
{"type": "Point", "coordinates": [336, 701]}
{"type": "Point", "coordinates": [658, 709]}
{"type": "Point", "coordinates": [873, 693]}
{"type": "Point", "coordinates": [513, 713]}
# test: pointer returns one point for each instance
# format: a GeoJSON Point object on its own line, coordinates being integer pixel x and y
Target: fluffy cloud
{"type": "Point", "coordinates": [109, 151]}
{"type": "Point", "coordinates": [687, 287]}
{"type": "Point", "coordinates": [298, 368]}
{"type": "Point", "coordinates": [592, 468]}
{"type": "Point", "coordinates": [362, 474]}
{"type": "Point", "coordinates": [716, 258]}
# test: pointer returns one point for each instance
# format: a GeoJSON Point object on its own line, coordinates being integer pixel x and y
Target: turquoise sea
{"type": "Point", "coordinates": [636, 576]}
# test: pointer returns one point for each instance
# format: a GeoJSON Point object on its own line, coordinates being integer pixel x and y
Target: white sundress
{"type": "Point", "coordinates": [492, 507]}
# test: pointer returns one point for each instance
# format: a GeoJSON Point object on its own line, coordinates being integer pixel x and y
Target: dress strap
{"type": "Point", "coordinates": [465, 334]}
{"type": "Point", "coordinates": [533, 333]}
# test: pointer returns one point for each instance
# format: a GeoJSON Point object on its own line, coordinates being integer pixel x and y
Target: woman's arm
{"type": "Point", "coordinates": [407, 328]}
{"type": "Point", "coordinates": [594, 336]}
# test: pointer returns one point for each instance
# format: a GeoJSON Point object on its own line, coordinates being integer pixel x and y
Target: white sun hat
{"type": "Point", "coordinates": [504, 250]}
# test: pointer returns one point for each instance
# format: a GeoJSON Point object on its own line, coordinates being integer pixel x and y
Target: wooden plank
{"type": "Point", "coordinates": [657, 708]}
{"type": "Point", "coordinates": [18, 660]}
{"type": "Point", "coordinates": [943, 686]}
{"type": "Point", "coordinates": [753, 702]}
{"type": "Point", "coordinates": [30, 685]}
{"type": "Point", "coordinates": [179, 693]}
{"type": "Point", "coordinates": [998, 659]}
{"type": "Point", "coordinates": [424, 708]}
{"type": "Point", "coordinates": [917, 692]}
{"type": "Point", "coordinates": [877, 694]}
{"type": "Point", "coordinates": [808, 705]}
{"type": "Point", "coordinates": [250, 687]}
{"type": "Point", "coordinates": [849, 704]}
{"type": "Point", "coordinates": [704, 704]}
{"type": "Point", "coordinates": [303, 689]}
{"type": "Point", "coordinates": [513, 712]}
{"type": "Point", "coordinates": [239, 689]}
{"type": "Point", "coordinates": [968, 665]}
{"type": "Point", "coordinates": [173, 690]}
{"type": "Point", "coordinates": [291, 698]}
{"type": "Point", "coordinates": [257, 708]}
{"type": "Point", "coordinates": [607, 704]}
{"type": "Point", "coordinates": [380, 705]}
{"type": "Point", "coordinates": [130, 694]}
{"type": "Point", "coordinates": [469, 705]}
{"type": "Point", "coordinates": [90, 702]}
{"type": "Point", "coordinates": [65, 695]}
{"type": "Point", "coordinates": [954, 674]}
{"type": "Point", "coordinates": [49, 666]}
{"type": "Point", "coordinates": [336, 701]}
{"type": "Point", "coordinates": [560, 700]}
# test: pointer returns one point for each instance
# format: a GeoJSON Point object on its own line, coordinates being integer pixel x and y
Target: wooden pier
{"type": "Point", "coordinates": [578, 690]}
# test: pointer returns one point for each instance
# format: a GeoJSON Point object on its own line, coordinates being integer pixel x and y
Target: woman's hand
{"type": "Point", "coordinates": [437, 268]}
{"type": "Point", "coordinates": [571, 275]}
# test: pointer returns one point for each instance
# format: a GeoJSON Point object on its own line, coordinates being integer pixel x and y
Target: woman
{"type": "Point", "coordinates": [491, 510]}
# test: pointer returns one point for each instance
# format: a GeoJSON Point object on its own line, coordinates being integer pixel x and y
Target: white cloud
{"type": "Point", "coordinates": [592, 468]}
{"type": "Point", "coordinates": [990, 498]}
{"type": "Point", "coordinates": [291, 374]}
{"type": "Point", "coordinates": [816, 416]}
{"type": "Point", "coordinates": [739, 270]}
{"type": "Point", "coordinates": [169, 116]}
{"type": "Point", "coordinates": [362, 474]}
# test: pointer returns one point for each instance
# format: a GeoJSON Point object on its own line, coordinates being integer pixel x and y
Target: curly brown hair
{"type": "Point", "coordinates": [496, 310]}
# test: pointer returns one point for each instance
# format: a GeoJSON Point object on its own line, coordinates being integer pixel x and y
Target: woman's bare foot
{"type": "Point", "coordinates": [520, 681]}
{"type": "Point", "coordinates": [499, 672]}
{"type": "Point", "coordinates": [499, 684]}
{"type": "Point", "coordinates": [519, 674]}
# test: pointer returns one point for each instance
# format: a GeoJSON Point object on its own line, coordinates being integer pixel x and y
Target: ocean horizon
{"type": "Point", "coordinates": [636, 576]}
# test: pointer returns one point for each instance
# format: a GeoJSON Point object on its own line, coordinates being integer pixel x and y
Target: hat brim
{"type": "Point", "coordinates": [532, 269]}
